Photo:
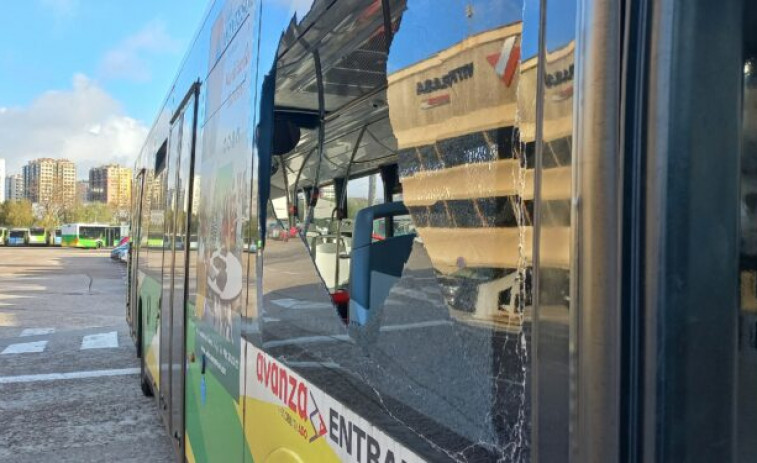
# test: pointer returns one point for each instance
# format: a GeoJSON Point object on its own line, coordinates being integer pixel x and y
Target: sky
{"type": "Point", "coordinates": [84, 79]}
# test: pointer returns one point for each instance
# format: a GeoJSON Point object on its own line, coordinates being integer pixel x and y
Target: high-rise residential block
{"type": "Point", "coordinates": [82, 191]}
{"type": "Point", "coordinates": [110, 184]}
{"type": "Point", "coordinates": [50, 181]}
{"type": "Point", "coordinates": [14, 187]}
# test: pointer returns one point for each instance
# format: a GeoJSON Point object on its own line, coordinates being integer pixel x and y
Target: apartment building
{"type": "Point", "coordinates": [82, 191]}
{"type": "Point", "coordinates": [50, 181]}
{"type": "Point", "coordinates": [14, 187]}
{"type": "Point", "coordinates": [110, 184]}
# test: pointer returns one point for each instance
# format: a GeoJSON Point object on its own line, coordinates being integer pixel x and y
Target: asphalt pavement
{"type": "Point", "coordinates": [69, 384]}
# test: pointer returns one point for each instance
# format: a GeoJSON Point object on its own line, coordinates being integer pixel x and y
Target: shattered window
{"type": "Point", "coordinates": [413, 336]}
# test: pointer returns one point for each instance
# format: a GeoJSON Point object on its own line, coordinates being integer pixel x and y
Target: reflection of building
{"type": "Point", "coordinates": [82, 191]}
{"type": "Point", "coordinates": [14, 187]}
{"type": "Point", "coordinates": [454, 116]}
{"type": "Point", "coordinates": [110, 184]}
{"type": "Point", "coordinates": [467, 166]}
{"type": "Point", "coordinates": [50, 181]}
{"type": "Point", "coordinates": [196, 195]}
{"type": "Point", "coordinates": [2, 180]}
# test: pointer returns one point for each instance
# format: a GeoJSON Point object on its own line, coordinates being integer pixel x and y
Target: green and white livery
{"type": "Point", "coordinates": [84, 235]}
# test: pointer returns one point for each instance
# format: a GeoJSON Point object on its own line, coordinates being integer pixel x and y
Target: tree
{"type": "Point", "coordinates": [49, 217]}
{"type": "Point", "coordinates": [72, 214]}
{"type": "Point", "coordinates": [356, 204]}
{"type": "Point", "coordinates": [17, 213]}
{"type": "Point", "coordinates": [99, 213]}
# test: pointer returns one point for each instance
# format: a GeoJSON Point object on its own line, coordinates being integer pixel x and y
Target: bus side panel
{"type": "Point", "coordinates": [68, 236]}
{"type": "Point", "coordinates": [216, 273]}
{"type": "Point", "coordinates": [151, 286]}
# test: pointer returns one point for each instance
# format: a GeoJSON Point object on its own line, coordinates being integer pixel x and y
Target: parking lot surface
{"type": "Point", "coordinates": [69, 384]}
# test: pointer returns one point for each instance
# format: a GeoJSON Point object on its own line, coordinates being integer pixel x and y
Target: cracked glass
{"type": "Point", "coordinates": [397, 268]}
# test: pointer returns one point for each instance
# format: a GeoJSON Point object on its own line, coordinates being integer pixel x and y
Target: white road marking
{"type": "Point", "coordinates": [71, 375]}
{"type": "Point", "coordinates": [24, 348]}
{"type": "Point", "coordinates": [285, 303]}
{"type": "Point", "coordinates": [307, 340]}
{"type": "Point", "coordinates": [346, 338]}
{"type": "Point", "coordinates": [412, 326]}
{"type": "Point", "coordinates": [36, 332]}
{"type": "Point", "coordinates": [312, 364]}
{"type": "Point", "coordinates": [298, 304]}
{"type": "Point", "coordinates": [100, 341]}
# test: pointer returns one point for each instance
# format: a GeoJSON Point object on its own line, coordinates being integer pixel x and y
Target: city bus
{"type": "Point", "coordinates": [18, 237]}
{"type": "Point", "coordinates": [3, 236]}
{"type": "Point", "coordinates": [508, 230]}
{"type": "Point", "coordinates": [38, 236]}
{"type": "Point", "coordinates": [83, 235]}
{"type": "Point", "coordinates": [56, 238]}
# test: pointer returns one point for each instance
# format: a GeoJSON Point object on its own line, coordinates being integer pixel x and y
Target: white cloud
{"type": "Point", "coordinates": [129, 58]}
{"type": "Point", "coordinates": [84, 124]}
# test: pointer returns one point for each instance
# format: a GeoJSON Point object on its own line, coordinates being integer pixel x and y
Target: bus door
{"type": "Point", "coordinates": [181, 149]}
{"type": "Point", "coordinates": [131, 310]}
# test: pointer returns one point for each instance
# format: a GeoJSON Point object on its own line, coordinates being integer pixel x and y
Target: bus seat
{"type": "Point", "coordinates": [324, 253]}
{"type": "Point", "coordinates": [376, 266]}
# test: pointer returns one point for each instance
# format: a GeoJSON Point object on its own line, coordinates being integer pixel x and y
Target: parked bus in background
{"type": "Point", "coordinates": [83, 235]}
{"type": "Point", "coordinates": [491, 230]}
{"type": "Point", "coordinates": [56, 237]}
{"type": "Point", "coordinates": [18, 237]}
{"type": "Point", "coordinates": [38, 236]}
{"type": "Point", "coordinates": [3, 236]}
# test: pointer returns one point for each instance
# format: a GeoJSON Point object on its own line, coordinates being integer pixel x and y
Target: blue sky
{"type": "Point", "coordinates": [99, 66]}
{"type": "Point", "coordinates": [132, 49]}
{"type": "Point", "coordinates": [84, 79]}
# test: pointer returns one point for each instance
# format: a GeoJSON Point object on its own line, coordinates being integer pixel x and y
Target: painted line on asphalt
{"type": "Point", "coordinates": [299, 304]}
{"type": "Point", "coordinates": [24, 348]}
{"type": "Point", "coordinates": [332, 365]}
{"type": "Point", "coordinates": [346, 338]}
{"type": "Point", "coordinates": [413, 326]}
{"type": "Point", "coordinates": [71, 375]}
{"type": "Point", "coordinates": [36, 332]}
{"type": "Point", "coordinates": [307, 340]}
{"type": "Point", "coordinates": [100, 341]}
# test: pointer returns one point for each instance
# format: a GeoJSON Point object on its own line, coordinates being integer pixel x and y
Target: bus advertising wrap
{"type": "Point", "coordinates": [282, 407]}
{"type": "Point", "coordinates": [223, 207]}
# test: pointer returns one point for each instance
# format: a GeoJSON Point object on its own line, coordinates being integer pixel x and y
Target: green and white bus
{"type": "Point", "coordinates": [56, 238]}
{"type": "Point", "coordinates": [3, 236]}
{"type": "Point", "coordinates": [38, 236]}
{"type": "Point", "coordinates": [91, 235]}
{"type": "Point", "coordinates": [444, 230]}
